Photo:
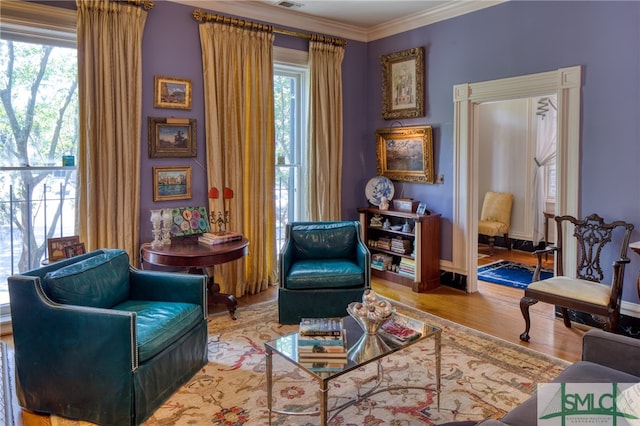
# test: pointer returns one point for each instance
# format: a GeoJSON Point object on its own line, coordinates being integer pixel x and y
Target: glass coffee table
{"type": "Point", "coordinates": [287, 348]}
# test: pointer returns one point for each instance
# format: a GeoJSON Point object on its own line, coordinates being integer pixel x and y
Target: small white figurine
{"type": "Point", "coordinates": [384, 203]}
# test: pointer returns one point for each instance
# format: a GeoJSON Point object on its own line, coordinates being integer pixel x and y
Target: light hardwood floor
{"type": "Point", "coordinates": [494, 310]}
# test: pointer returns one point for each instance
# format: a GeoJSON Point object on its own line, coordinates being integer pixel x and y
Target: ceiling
{"type": "Point", "coordinates": [361, 20]}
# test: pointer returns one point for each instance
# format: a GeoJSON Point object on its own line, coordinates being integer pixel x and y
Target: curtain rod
{"type": "Point", "coordinates": [145, 4]}
{"type": "Point", "coordinates": [201, 16]}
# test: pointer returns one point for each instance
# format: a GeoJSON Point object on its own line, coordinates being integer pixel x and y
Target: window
{"type": "Point", "coordinates": [290, 111]}
{"type": "Point", "coordinates": [38, 126]}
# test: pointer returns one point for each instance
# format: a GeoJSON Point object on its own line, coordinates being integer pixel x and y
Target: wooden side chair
{"type": "Point", "coordinates": [586, 292]}
{"type": "Point", "coordinates": [495, 218]}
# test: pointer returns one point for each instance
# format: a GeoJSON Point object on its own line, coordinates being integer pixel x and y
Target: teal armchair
{"type": "Point", "coordinates": [98, 340]}
{"type": "Point", "coordinates": [323, 267]}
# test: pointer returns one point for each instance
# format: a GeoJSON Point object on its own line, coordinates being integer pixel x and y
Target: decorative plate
{"type": "Point", "coordinates": [379, 187]}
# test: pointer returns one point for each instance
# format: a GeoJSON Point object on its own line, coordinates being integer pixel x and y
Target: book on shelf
{"type": "Point", "coordinates": [321, 326]}
{"type": "Point", "coordinates": [211, 239]}
{"type": "Point", "coordinates": [401, 329]}
{"type": "Point", "coordinates": [381, 262]}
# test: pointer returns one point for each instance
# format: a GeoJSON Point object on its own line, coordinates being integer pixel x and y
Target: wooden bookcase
{"type": "Point", "coordinates": [424, 238]}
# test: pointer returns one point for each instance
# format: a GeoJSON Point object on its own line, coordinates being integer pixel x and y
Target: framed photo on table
{"type": "Point", "coordinates": [405, 154]}
{"type": "Point", "coordinates": [74, 250]}
{"type": "Point", "coordinates": [171, 92]}
{"type": "Point", "coordinates": [403, 88]}
{"type": "Point", "coordinates": [56, 247]}
{"type": "Point", "coordinates": [171, 183]}
{"type": "Point", "coordinates": [171, 137]}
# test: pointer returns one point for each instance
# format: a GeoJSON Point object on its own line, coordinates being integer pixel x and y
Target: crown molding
{"type": "Point", "coordinates": [428, 17]}
{"type": "Point", "coordinates": [274, 15]}
{"type": "Point", "coordinates": [300, 21]}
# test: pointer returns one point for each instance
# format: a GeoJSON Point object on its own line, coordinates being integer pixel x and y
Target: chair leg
{"type": "Point", "coordinates": [491, 240]}
{"type": "Point", "coordinates": [525, 302]}
{"type": "Point", "coordinates": [565, 317]}
{"type": "Point", "coordinates": [507, 241]}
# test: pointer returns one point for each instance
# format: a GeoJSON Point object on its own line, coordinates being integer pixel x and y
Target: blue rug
{"type": "Point", "coordinates": [511, 274]}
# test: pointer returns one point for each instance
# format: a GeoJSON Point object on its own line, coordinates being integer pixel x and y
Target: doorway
{"type": "Point", "coordinates": [565, 83]}
{"type": "Point", "coordinates": [517, 139]}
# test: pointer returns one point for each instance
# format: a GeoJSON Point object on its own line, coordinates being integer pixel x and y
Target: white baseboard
{"type": "Point", "coordinates": [630, 309]}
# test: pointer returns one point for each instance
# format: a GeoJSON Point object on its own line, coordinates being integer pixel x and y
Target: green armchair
{"type": "Point", "coordinates": [98, 340]}
{"type": "Point", "coordinates": [324, 266]}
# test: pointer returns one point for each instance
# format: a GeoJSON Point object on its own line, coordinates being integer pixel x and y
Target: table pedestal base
{"type": "Point", "coordinates": [216, 298]}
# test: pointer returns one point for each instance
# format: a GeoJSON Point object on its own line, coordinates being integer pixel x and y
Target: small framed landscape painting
{"type": "Point", "coordinates": [173, 93]}
{"type": "Point", "coordinates": [172, 137]}
{"type": "Point", "coordinates": [405, 154]}
{"type": "Point", "coordinates": [171, 183]}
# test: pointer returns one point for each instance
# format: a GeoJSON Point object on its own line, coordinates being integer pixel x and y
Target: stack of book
{"type": "Point", "coordinates": [381, 262]}
{"type": "Point", "coordinates": [399, 245]}
{"type": "Point", "coordinates": [210, 238]}
{"type": "Point", "coordinates": [384, 243]}
{"type": "Point", "coordinates": [322, 344]}
{"type": "Point", "coordinates": [407, 267]}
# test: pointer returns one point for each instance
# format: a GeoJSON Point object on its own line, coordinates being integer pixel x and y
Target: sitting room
{"type": "Point", "coordinates": [216, 172]}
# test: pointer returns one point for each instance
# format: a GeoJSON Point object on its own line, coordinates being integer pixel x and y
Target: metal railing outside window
{"type": "Point", "coordinates": [31, 215]}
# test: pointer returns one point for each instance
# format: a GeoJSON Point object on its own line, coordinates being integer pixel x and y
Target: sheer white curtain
{"type": "Point", "coordinates": [545, 156]}
{"type": "Point", "coordinates": [324, 159]}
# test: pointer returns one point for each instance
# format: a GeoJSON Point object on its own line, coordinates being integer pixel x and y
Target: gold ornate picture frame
{"type": "Point", "coordinates": [403, 88]}
{"type": "Point", "coordinates": [172, 137]}
{"type": "Point", "coordinates": [172, 93]}
{"type": "Point", "coordinates": [171, 183]}
{"type": "Point", "coordinates": [405, 154]}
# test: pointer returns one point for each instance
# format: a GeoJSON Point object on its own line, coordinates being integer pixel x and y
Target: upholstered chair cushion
{"type": "Point", "coordinates": [492, 228]}
{"type": "Point", "coordinates": [108, 274]}
{"type": "Point", "coordinates": [497, 208]}
{"type": "Point", "coordinates": [584, 290]}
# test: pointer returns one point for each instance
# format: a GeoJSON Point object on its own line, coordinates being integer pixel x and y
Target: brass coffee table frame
{"type": "Point", "coordinates": [287, 348]}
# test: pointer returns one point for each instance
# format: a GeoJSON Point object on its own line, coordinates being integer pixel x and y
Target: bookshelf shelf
{"type": "Point", "coordinates": [424, 240]}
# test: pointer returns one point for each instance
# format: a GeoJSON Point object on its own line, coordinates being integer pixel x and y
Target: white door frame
{"type": "Point", "coordinates": [565, 83]}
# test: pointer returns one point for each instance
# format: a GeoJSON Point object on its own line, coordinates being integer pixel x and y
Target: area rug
{"type": "Point", "coordinates": [511, 274]}
{"type": "Point", "coordinates": [482, 377]}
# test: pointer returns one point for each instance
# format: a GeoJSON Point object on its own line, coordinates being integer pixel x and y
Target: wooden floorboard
{"type": "Point", "coordinates": [494, 309]}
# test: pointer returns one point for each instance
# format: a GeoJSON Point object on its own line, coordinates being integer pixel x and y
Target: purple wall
{"type": "Point", "coordinates": [511, 39]}
{"type": "Point", "coordinates": [171, 47]}
{"type": "Point", "coordinates": [521, 37]}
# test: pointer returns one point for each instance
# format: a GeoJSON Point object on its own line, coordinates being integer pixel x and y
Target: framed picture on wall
{"type": "Point", "coordinates": [403, 88]}
{"type": "Point", "coordinates": [171, 137]}
{"type": "Point", "coordinates": [405, 154]}
{"type": "Point", "coordinates": [172, 93]}
{"type": "Point", "coordinates": [171, 183]}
